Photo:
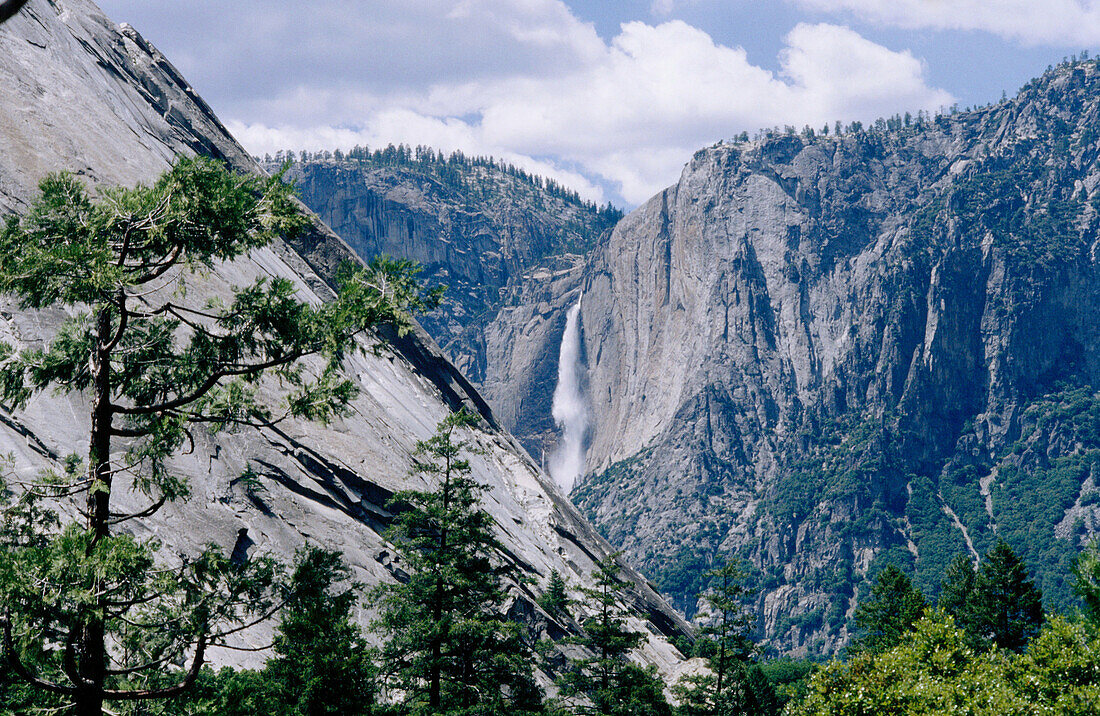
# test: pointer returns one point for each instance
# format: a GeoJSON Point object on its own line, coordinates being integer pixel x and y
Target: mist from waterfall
{"type": "Point", "coordinates": [569, 410]}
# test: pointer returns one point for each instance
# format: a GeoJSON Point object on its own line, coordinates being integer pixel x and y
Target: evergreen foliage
{"type": "Point", "coordinates": [448, 649]}
{"type": "Point", "coordinates": [1006, 606]}
{"type": "Point", "coordinates": [761, 697]}
{"type": "Point", "coordinates": [606, 682]}
{"type": "Point", "coordinates": [725, 688]}
{"type": "Point", "coordinates": [322, 663]}
{"type": "Point", "coordinates": [456, 170]}
{"type": "Point", "coordinates": [555, 600]}
{"type": "Point", "coordinates": [89, 616]}
{"type": "Point", "coordinates": [889, 611]}
{"type": "Point", "coordinates": [996, 604]}
{"type": "Point", "coordinates": [788, 677]}
{"type": "Point", "coordinates": [957, 590]}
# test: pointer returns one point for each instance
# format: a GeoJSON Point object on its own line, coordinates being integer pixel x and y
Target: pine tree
{"type": "Point", "coordinates": [995, 604]}
{"type": "Point", "coordinates": [449, 649]}
{"type": "Point", "coordinates": [957, 594]}
{"type": "Point", "coordinates": [321, 663]}
{"type": "Point", "coordinates": [726, 647]}
{"type": "Point", "coordinates": [88, 613]}
{"type": "Point", "coordinates": [889, 611]}
{"type": "Point", "coordinates": [555, 600]}
{"type": "Point", "coordinates": [1007, 607]}
{"type": "Point", "coordinates": [606, 679]}
{"type": "Point", "coordinates": [761, 698]}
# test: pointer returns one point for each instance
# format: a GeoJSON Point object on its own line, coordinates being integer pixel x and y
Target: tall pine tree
{"type": "Point", "coordinates": [89, 615]}
{"type": "Point", "coordinates": [605, 681]}
{"type": "Point", "coordinates": [322, 663]}
{"type": "Point", "coordinates": [449, 649]}
{"type": "Point", "coordinates": [724, 642]}
{"type": "Point", "coordinates": [996, 604]}
{"type": "Point", "coordinates": [1006, 606]}
{"type": "Point", "coordinates": [889, 611]}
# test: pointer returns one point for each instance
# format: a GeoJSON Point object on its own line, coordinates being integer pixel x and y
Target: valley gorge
{"type": "Point", "coordinates": [820, 354]}
{"type": "Point", "coordinates": [79, 93]}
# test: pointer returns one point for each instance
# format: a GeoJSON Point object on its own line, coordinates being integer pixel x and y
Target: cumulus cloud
{"type": "Point", "coordinates": [1063, 23]}
{"type": "Point", "coordinates": [528, 81]}
{"type": "Point", "coordinates": [405, 127]}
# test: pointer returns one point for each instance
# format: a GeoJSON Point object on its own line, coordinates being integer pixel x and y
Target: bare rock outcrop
{"type": "Point", "coordinates": [79, 93]}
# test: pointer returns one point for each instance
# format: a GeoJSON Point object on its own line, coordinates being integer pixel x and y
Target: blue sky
{"type": "Point", "coordinates": [609, 96]}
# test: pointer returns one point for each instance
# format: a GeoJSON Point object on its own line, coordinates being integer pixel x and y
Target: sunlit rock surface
{"type": "Point", "coordinates": [79, 93]}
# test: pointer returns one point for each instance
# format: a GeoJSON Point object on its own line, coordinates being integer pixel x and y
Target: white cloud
{"type": "Point", "coordinates": [629, 115]}
{"type": "Point", "coordinates": [1063, 23]}
{"type": "Point", "coordinates": [525, 80]}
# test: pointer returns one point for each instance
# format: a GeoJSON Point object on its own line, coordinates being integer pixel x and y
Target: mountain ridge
{"type": "Point", "coordinates": [84, 95]}
{"type": "Point", "coordinates": [826, 353]}
{"type": "Point", "coordinates": [874, 312]}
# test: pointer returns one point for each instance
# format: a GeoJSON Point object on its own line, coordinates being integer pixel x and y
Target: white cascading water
{"type": "Point", "coordinates": [569, 409]}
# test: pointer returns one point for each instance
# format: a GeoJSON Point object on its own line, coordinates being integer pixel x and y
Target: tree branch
{"type": "Point", "coordinates": [16, 664]}
{"type": "Point", "coordinates": [71, 668]}
{"type": "Point", "coordinates": [147, 512]}
{"type": "Point", "coordinates": [148, 694]}
{"type": "Point", "coordinates": [162, 269]}
{"type": "Point", "coordinates": [123, 322]}
{"type": "Point", "coordinates": [209, 385]}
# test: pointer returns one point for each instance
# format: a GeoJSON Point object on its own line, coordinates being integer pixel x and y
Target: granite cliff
{"type": "Point", "coordinates": [509, 246]}
{"type": "Point", "coordinates": [79, 93]}
{"type": "Point", "coordinates": [824, 353]}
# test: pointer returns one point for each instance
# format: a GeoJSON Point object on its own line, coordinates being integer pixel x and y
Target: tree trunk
{"type": "Point", "coordinates": [89, 703]}
{"type": "Point", "coordinates": [92, 641]}
{"type": "Point", "coordinates": [99, 450]}
{"type": "Point", "coordinates": [435, 685]}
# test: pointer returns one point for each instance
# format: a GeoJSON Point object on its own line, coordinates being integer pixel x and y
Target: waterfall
{"type": "Point", "coordinates": [569, 410]}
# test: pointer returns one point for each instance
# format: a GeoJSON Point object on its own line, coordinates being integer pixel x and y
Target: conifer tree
{"type": "Point", "coordinates": [761, 698]}
{"type": "Point", "coordinates": [89, 614]}
{"type": "Point", "coordinates": [449, 649]}
{"type": "Point", "coordinates": [957, 594]}
{"type": "Point", "coordinates": [555, 600]}
{"type": "Point", "coordinates": [1006, 607]}
{"type": "Point", "coordinates": [726, 646]}
{"type": "Point", "coordinates": [321, 665]}
{"type": "Point", "coordinates": [606, 681]}
{"type": "Point", "coordinates": [889, 611]}
{"type": "Point", "coordinates": [995, 604]}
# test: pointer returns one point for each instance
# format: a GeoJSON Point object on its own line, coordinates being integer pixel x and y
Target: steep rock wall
{"type": "Point", "coordinates": [808, 352]}
{"type": "Point", "coordinates": [79, 93]}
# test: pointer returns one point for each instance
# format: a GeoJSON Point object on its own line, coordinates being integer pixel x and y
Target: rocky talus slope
{"type": "Point", "coordinates": [79, 93]}
{"type": "Point", "coordinates": [508, 246]}
{"type": "Point", "coordinates": [825, 353]}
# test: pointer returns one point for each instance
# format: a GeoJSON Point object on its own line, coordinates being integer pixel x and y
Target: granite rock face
{"type": "Point", "coordinates": [79, 93]}
{"type": "Point", "coordinates": [509, 249]}
{"type": "Point", "coordinates": [825, 353]}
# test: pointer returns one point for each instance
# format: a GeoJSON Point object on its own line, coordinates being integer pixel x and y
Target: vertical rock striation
{"type": "Point", "coordinates": [79, 93]}
{"type": "Point", "coordinates": [809, 352]}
